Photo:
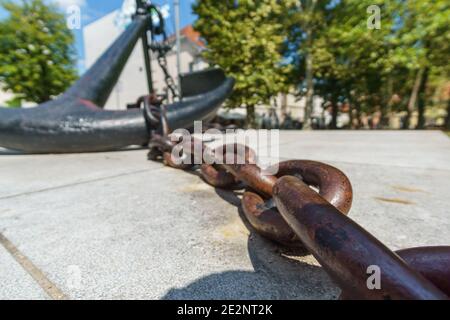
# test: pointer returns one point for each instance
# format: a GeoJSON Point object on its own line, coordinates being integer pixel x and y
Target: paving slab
{"type": "Point", "coordinates": [15, 282]}
{"type": "Point", "coordinates": [415, 149]}
{"type": "Point", "coordinates": [22, 174]}
{"type": "Point", "coordinates": [116, 226]}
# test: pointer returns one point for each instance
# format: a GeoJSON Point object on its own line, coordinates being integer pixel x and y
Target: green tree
{"type": "Point", "coordinates": [306, 22]}
{"type": "Point", "coordinates": [36, 51]}
{"type": "Point", "coordinates": [341, 58]}
{"type": "Point", "coordinates": [425, 29]}
{"type": "Point", "coordinates": [352, 60]}
{"type": "Point", "coordinates": [245, 38]}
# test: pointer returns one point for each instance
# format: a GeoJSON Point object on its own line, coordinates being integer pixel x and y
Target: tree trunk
{"type": "Point", "coordinates": [358, 115]}
{"type": "Point", "coordinates": [354, 112]}
{"type": "Point", "coordinates": [386, 110]}
{"type": "Point", "coordinates": [309, 103]}
{"type": "Point", "coordinates": [334, 111]}
{"type": "Point", "coordinates": [284, 103]}
{"type": "Point", "coordinates": [413, 98]}
{"type": "Point", "coordinates": [251, 118]}
{"type": "Point", "coordinates": [309, 92]}
{"type": "Point", "coordinates": [447, 120]}
{"type": "Point", "coordinates": [334, 115]}
{"type": "Point", "coordinates": [45, 94]}
{"type": "Point", "coordinates": [422, 100]}
{"type": "Point", "coordinates": [350, 114]}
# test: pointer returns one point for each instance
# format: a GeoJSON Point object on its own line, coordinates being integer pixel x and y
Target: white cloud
{"type": "Point", "coordinates": [67, 3]}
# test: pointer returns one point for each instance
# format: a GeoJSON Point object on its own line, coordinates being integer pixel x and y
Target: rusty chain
{"type": "Point", "coordinates": [161, 49]}
{"type": "Point", "coordinates": [161, 56]}
{"type": "Point", "coordinates": [284, 208]}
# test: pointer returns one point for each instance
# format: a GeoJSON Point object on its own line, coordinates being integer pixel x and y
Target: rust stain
{"type": "Point", "coordinates": [407, 189]}
{"type": "Point", "coordinates": [195, 187]}
{"type": "Point", "coordinates": [395, 200]}
{"type": "Point", "coordinates": [232, 230]}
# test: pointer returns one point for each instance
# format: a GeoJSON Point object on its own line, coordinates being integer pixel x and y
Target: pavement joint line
{"type": "Point", "coordinates": [145, 170]}
{"type": "Point", "coordinates": [76, 184]}
{"type": "Point", "coordinates": [367, 164]}
{"type": "Point", "coordinates": [38, 275]}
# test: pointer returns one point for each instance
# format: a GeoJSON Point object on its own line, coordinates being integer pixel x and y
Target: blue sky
{"type": "Point", "coordinates": [92, 10]}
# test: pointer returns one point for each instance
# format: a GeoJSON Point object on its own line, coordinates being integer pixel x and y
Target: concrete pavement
{"type": "Point", "coordinates": [116, 226]}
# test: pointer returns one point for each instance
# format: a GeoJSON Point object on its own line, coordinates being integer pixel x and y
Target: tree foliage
{"type": "Point", "coordinates": [36, 52]}
{"type": "Point", "coordinates": [370, 66]}
{"type": "Point", "coordinates": [305, 22]}
{"type": "Point", "coordinates": [245, 38]}
{"type": "Point", "coordinates": [331, 52]}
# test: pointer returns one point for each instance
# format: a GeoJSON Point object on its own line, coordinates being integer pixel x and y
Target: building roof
{"type": "Point", "coordinates": [189, 33]}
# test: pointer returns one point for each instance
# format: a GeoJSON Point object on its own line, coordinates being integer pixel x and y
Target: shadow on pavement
{"type": "Point", "coordinates": [278, 272]}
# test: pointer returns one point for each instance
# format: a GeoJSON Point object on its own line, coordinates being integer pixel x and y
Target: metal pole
{"type": "Point", "coordinates": [146, 51]}
{"type": "Point", "coordinates": [176, 4]}
{"type": "Point", "coordinates": [148, 63]}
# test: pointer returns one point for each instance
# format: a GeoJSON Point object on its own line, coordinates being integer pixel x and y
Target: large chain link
{"type": "Point", "coordinates": [285, 208]}
{"type": "Point", "coordinates": [302, 217]}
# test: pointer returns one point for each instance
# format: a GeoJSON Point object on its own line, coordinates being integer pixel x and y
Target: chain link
{"type": "Point", "coordinates": [161, 49]}
{"type": "Point", "coordinates": [162, 61]}
{"type": "Point", "coordinates": [286, 209]}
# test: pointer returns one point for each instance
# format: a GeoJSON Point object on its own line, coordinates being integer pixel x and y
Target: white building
{"type": "Point", "coordinates": [5, 96]}
{"type": "Point", "coordinates": [100, 34]}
